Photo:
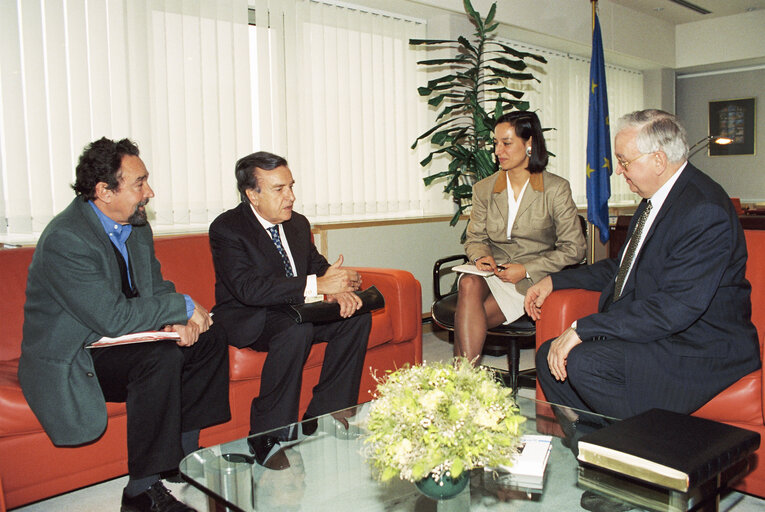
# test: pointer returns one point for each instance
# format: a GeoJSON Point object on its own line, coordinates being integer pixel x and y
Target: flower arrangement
{"type": "Point", "coordinates": [441, 419]}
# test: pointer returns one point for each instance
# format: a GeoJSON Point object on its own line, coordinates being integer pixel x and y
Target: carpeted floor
{"type": "Point", "coordinates": [106, 496]}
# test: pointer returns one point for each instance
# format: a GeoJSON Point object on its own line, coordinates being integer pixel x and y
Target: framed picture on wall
{"type": "Point", "coordinates": [734, 119]}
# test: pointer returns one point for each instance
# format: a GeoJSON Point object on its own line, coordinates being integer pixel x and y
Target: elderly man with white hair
{"type": "Point", "coordinates": [673, 326]}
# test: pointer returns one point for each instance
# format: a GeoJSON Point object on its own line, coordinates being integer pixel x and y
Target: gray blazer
{"type": "Point", "coordinates": [74, 297]}
{"type": "Point", "coordinates": [546, 235]}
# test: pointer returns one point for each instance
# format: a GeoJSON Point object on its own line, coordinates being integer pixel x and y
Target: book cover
{"type": "Point", "coordinates": [673, 450]}
{"type": "Point", "coordinates": [136, 337]}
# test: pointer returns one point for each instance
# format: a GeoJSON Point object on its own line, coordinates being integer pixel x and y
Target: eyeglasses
{"type": "Point", "coordinates": [626, 165]}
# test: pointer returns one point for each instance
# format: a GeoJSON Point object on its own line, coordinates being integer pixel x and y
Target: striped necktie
{"type": "Point", "coordinates": [629, 256]}
{"type": "Point", "coordinates": [274, 231]}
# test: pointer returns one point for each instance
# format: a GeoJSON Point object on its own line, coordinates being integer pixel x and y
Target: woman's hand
{"type": "Point", "coordinates": [511, 272]}
{"type": "Point", "coordinates": [486, 263]}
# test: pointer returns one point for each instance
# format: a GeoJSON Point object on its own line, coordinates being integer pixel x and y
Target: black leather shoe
{"type": "Point", "coordinates": [154, 499]}
{"type": "Point", "coordinates": [309, 426]}
{"type": "Point", "coordinates": [172, 476]}
{"type": "Point", "coordinates": [268, 452]}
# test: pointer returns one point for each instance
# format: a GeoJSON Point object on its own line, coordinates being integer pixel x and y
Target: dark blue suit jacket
{"type": "Point", "coordinates": [685, 308]}
{"type": "Point", "coordinates": [249, 273]}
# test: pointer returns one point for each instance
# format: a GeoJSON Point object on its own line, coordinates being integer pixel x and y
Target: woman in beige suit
{"type": "Point", "coordinates": [523, 226]}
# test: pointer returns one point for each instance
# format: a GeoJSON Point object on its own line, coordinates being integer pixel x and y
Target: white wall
{"type": "Point", "coordinates": [741, 175]}
{"type": "Point", "coordinates": [412, 246]}
{"type": "Point", "coordinates": [731, 39]}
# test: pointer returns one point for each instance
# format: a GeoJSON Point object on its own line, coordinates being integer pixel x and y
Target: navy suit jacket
{"type": "Point", "coordinates": [686, 299]}
{"type": "Point", "coordinates": [249, 273]}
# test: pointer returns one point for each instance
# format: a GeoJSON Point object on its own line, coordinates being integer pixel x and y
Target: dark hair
{"type": "Point", "coordinates": [101, 161]}
{"type": "Point", "coordinates": [526, 125]}
{"type": "Point", "coordinates": [245, 170]}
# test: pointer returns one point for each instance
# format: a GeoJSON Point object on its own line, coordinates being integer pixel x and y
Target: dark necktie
{"type": "Point", "coordinates": [128, 289]}
{"type": "Point", "coordinates": [629, 256]}
{"type": "Point", "coordinates": [274, 231]}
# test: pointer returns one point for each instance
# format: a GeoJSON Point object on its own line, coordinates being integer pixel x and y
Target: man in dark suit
{"type": "Point", "coordinates": [265, 260]}
{"type": "Point", "coordinates": [673, 326]}
{"type": "Point", "coordinates": [94, 274]}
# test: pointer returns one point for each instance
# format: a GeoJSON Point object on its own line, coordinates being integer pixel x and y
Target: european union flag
{"type": "Point", "coordinates": [598, 140]}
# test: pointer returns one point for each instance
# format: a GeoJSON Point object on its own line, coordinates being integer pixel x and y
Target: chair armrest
{"type": "Point", "coordinates": [437, 295]}
{"type": "Point", "coordinates": [560, 310]}
{"type": "Point", "coordinates": [403, 298]}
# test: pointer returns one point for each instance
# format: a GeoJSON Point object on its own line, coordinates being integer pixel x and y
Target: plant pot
{"type": "Point", "coordinates": [444, 489]}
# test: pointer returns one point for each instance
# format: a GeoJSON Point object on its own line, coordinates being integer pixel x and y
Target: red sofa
{"type": "Point", "coordinates": [741, 404]}
{"type": "Point", "coordinates": [32, 468]}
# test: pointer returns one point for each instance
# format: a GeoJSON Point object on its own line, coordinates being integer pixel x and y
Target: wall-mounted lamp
{"type": "Point", "coordinates": [703, 143]}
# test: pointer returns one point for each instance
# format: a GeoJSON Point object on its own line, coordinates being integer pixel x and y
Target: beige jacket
{"type": "Point", "coordinates": [546, 235]}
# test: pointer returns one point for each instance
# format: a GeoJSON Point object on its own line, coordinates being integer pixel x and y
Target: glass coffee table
{"type": "Point", "coordinates": [329, 472]}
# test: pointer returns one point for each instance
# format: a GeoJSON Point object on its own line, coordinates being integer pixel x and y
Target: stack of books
{"type": "Point", "coordinates": [662, 460]}
{"type": "Point", "coordinates": [527, 471]}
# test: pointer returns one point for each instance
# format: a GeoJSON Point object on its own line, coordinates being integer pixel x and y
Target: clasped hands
{"type": "Point", "coordinates": [509, 272]}
{"type": "Point", "coordinates": [338, 284]}
{"type": "Point", "coordinates": [560, 346]}
{"type": "Point", "coordinates": [199, 322]}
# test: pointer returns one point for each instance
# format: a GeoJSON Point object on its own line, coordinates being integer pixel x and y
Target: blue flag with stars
{"type": "Point", "coordinates": [598, 140]}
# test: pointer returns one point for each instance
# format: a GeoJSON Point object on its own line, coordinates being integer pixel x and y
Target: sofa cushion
{"type": "Point", "coordinates": [17, 418]}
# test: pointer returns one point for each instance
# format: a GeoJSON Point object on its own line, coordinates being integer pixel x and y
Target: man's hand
{"type": "Point", "coordinates": [338, 279]}
{"type": "Point", "coordinates": [512, 273]}
{"type": "Point", "coordinates": [189, 333]}
{"type": "Point", "coordinates": [535, 297]}
{"type": "Point", "coordinates": [201, 317]}
{"type": "Point", "coordinates": [349, 302]}
{"type": "Point", "coordinates": [486, 263]}
{"type": "Point", "coordinates": [559, 349]}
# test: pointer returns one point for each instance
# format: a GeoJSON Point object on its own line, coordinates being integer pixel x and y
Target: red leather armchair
{"type": "Point", "coordinates": [32, 468]}
{"type": "Point", "coordinates": [741, 404]}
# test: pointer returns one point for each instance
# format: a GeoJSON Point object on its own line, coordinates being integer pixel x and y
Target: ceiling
{"type": "Point", "coordinates": [677, 14]}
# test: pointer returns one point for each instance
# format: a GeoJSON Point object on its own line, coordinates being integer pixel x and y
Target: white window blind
{"type": "Point", "coordinates": [171, 75]}
{"type": "Point", "coordinates": [337, 94]}
{"type": "Point", "coordinates": [561, 101]}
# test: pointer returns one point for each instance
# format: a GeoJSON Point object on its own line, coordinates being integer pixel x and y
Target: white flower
{"type": "Point", "coordinates": [431, 399]}
{"type": "Point", "coordinates": [487, 418]}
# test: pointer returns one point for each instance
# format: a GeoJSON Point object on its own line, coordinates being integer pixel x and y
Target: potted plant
{"type": "Point", "coordinates": [471, 95]}
{"type": "Point", "coordinates": [431, 424]}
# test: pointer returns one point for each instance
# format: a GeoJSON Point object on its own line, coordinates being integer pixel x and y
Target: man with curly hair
{"type": "Point", "coordinates": [94, 274]}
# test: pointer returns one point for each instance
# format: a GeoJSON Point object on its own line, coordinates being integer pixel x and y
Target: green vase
{"type": "Point", "coordinates": [444, 489]}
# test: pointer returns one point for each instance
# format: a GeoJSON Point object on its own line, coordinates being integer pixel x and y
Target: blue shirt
{"type": "Point", "coordinates": [118, 234]}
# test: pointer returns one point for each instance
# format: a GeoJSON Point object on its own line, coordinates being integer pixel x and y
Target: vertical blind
{"type": "Point", "coordinates": [172, 75]}
{"type": "Point", "coordinates": [330, 86]}
{"type": "Point", "coordinates": [561, 101]}
{"type": "Point", "coordinates": [337, 89]}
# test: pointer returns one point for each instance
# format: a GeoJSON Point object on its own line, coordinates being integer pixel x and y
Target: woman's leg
{"type": "Point", "coordinates": [477, 311]}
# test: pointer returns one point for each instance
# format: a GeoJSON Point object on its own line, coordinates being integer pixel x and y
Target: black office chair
{"type": "Point", "coordinates": [500, 339]}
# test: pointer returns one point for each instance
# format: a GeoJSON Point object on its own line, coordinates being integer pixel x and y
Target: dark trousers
{"type": "Point", "coordinates": [288, 345]}
{"type": "Point", "coordinates": [595, 379]}
{"type": "Point", "coordinates": [168, 390]}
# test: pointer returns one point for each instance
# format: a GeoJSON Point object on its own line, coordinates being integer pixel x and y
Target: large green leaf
{"type": "Point", "coordinates": [431, 41]}
{"type": "Point", "coordinates": [521, 55]}
{"type": "Point", "coordinates": [474, 16]}
{"type": "Point", "coordinates": [517, 65]}
{"type": "Point", "coordinates": [466, 45]}
{"type": "Point", "coordinates": [460, 59]}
